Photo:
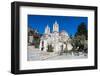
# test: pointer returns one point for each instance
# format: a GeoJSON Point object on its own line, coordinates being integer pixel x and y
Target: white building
{"type": "Point", "coordinates": [58, 40]}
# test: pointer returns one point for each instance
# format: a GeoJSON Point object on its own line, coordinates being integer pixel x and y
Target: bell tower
{"type": "Point", "coordinates": [47, 30]}
{"type": "Point", "coordinates": [55, 27]}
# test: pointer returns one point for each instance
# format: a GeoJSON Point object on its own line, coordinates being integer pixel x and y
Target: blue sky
{"type": "Point", "coordinates": [67, 23]}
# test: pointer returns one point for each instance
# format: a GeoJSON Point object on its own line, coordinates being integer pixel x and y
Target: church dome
{"type": "Point", "coordinates": [64, 33]}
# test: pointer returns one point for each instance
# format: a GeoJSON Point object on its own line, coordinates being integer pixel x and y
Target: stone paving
{"type": "Point", "coordinates": [36, 54]}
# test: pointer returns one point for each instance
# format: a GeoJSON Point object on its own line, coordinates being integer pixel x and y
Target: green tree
{"type": "Point", "coordinates": [82, 30]}
{"type": "Point", "coordinates": [80, 38]}
{"type": "Point", "coordinates": [50, 48]}
{"type": "Point", "coordinates": [36, 42]}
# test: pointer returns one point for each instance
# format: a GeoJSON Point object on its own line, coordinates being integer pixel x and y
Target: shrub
{"type": "Point", "coordinates": [50, 48]}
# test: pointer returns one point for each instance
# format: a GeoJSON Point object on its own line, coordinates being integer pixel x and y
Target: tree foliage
{"type": "Point", "coordinates": [82, 30]}
{"type": "Point", "coordinates": [79, 41]}
{"type": "Point", "coordinates": [50, 48]}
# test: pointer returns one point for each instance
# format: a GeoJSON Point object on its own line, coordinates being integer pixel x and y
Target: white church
{"type": "Point", "coordinates": [59, 40]}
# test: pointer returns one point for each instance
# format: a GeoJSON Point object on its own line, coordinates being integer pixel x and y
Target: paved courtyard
{"type": "Point", "coordinates": [36, 54]}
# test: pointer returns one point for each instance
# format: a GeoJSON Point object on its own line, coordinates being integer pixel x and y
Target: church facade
{"type": "Point", "coordinates": [58, 40]}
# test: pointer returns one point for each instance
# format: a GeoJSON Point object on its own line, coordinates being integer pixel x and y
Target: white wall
{"type": "Point", "coordinates": [5, 27]}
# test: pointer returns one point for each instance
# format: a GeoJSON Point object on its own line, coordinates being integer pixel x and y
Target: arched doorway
{"type": "Point", "coordinates": [42, 46]}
